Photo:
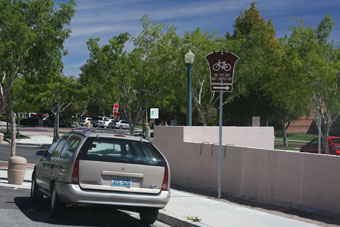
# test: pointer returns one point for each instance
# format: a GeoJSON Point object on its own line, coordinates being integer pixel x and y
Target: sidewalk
{"type": "Point", "coordinates": [34, 140]}
{"type": "Point", "coordinates": [185, 207]}
{"type": "Point", "coordinates": [4, 180]}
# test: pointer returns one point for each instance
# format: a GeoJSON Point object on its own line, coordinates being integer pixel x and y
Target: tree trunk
{"type": "Point", "coordinates": [327, 123]}
{"type": "Point", "coordinates": [285, 140]}
{"type": "Point", "coordinates": [7, 122]}
{"type": "Point", "coordinates": [18, 126]}
{"type": "Point", "coordinates": [13, 135]}
{"type": "Point", "coordinates": [56, 123]}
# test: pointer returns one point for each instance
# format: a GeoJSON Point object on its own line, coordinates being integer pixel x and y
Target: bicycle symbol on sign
{"type": "Point", "coordinates": [221, 65]}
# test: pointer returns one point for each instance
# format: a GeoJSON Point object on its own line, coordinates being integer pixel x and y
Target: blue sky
{"type": "Point", "coordinates": [105, 18]}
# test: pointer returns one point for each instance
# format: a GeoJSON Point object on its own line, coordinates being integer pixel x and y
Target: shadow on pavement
{"type": "Point", "coordinates": [76, 216]}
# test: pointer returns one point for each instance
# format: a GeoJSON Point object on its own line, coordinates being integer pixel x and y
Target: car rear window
{"type": "Point", "coordinates": [122, 151]}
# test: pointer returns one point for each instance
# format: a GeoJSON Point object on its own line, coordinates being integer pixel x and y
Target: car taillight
{"type": "Point", "coordinates": [165, 184]}
{"type": "Point", "coordinates": [75, 174]}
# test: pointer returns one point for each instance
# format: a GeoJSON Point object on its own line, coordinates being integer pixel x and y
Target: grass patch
{"type": "Point", "coordinates": [297, 138]}
{"type": "Point", "coordinates": [139, 126]}
{"type": "Point", "coordinates": [291, 147]}
{"type": "Point", "coordinates": [295, 141]}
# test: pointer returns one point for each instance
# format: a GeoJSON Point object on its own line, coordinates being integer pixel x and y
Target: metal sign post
{"type": "Point", "coordinates": [115, 113]}
{"type": "Point", "coordinates": [222, 67]}
{"type": "Point", "coordinates": [220, 148]}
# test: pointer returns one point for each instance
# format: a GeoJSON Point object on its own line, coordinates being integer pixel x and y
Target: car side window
{"type": "Point", "coordinates": [315, 142]}
{"type": "Point", "coordinates": [70, 147]}
{"type": "Point", "coordinates": [52, 147]}
{"type": "Point", "coordinates": [59, 147]}
{"type": "Point", "coordinates": [335, 140]}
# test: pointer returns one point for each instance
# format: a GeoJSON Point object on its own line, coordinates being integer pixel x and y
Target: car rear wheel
{"type": "Point", "coordinates": [148, 215]}
{"type": "Point", "coordinates": [55, 204]}
{"type": "Point", "coordinates": [36, 195]}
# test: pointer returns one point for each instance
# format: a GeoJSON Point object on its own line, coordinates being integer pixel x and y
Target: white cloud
{"type": "Point", "coordinates": [100, 29]}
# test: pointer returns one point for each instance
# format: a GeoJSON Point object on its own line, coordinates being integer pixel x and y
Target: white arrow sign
{"type": "Point", "coordinates": [225, 87]}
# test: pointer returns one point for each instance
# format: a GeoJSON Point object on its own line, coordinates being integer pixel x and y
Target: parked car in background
{"type": "Point", "coordinates": [100, 121]}
{"type": "Point", "coordinates": [84, 121]}
{"type": "Point", "coordinates": [104, 123]}
{"type": "Point", "coordinates": [313, 146]}
{"type": "Point", "coordinates": [46, 122]}
{"type": "Point", "coordinates": [113, 123]}
{"type": "Point", "coordinates": [121, 124]}
{"type": "Point", "coordinates": [64, 122]}
{"type": "Point", "coordinates": [98, 168]}
{"type": "Point", "coordinates": [29, 122]}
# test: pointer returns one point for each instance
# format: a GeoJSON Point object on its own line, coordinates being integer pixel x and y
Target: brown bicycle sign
{"type": "Point", "coordinates": [222, 67]}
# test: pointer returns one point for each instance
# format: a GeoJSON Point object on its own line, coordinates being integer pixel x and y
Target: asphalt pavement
{"type": "Point", "coordinates": [186, 209]}
{"type": "Point", "coordinates": [17, 210]}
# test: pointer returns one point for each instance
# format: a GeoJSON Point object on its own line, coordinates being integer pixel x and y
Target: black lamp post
{"type": "Point", "coordinates": [189, 60]}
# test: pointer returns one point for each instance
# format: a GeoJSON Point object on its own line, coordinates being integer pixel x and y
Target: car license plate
{"type": "Point", "coordinates": [121, 182]}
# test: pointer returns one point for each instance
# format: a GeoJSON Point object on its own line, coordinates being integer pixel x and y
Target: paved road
{"type": "Point", "coordinates": [16, 210]}
{"type": "Point", "coordinates": [21, 150]}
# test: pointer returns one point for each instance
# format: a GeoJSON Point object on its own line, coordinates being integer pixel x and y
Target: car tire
{"type": "Point", "coordinates": [120, 127]}
{"type": "Point", "coordinates": [55, 204]}
{"type": "Point", "coordinates": [36, 194]}
{"type": "Point", "coordinates": [148, 215]}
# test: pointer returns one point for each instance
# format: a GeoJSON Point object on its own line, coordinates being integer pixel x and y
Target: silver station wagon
{"type": "Point", "coordinates": [103, 168]}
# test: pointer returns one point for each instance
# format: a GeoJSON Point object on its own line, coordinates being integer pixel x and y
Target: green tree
{"type": "Point", "coordinates": [160, 60]}
{"type": "Point", "coordinates": [56, 96]}
{"type": "Point", "coordinates": [100, 73]}
{"type": "Point", "coordinates": [260, 59]}
{"type": "Point", "coordinates": [291, 97]}
{"type": "Point", "coordinates": [327, 79]}
{"type": "Point", "coordinates": [146, 77]}
{"type": "Point", "coordinates": [22, 99]}
{"type": "Point", "coordinates": [31, 33]}
{"type": "Point", "coordinates": [311, 72]}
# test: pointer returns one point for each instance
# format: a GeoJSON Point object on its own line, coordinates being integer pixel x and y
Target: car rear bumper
{"type": "Point", "coordinates": [72, 193]}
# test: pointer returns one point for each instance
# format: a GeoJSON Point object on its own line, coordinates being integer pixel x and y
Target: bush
{"type": "Point", "coordinates": [3, 118]}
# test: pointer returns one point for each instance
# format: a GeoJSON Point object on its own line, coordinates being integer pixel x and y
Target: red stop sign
{"type": "Point", "coordinates": [115, 109]}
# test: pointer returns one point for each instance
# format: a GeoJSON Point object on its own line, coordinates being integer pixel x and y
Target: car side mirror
{"type": "Point", "coordinates": [41, 153]}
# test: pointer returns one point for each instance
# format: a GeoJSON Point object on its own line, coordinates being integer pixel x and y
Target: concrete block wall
{"type": "Point", "coordinates": [258, 137]}
{"type": "Point", "coordinates": [293, 179]}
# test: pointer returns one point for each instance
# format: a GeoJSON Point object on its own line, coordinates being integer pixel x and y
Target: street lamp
{"type": "Point", "coordinates": [189, 59]}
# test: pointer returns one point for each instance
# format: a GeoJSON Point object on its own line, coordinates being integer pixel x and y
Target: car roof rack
{"type": "Point", "coordinates": [86, 131]}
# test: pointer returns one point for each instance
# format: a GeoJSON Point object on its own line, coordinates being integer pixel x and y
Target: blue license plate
{"type": "Point", "coordinates": [121, 182]}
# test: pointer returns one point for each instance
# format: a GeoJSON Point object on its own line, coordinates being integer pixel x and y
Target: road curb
{"type": "Point", "coordinates": [174, 221]}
